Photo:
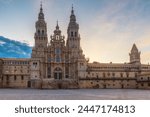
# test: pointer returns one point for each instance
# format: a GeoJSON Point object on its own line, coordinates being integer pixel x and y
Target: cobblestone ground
{"type": "Point", "coordinates": [77, 94]}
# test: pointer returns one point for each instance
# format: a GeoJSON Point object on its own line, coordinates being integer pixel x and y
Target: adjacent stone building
{"type": "Point", "coordinates": [57, 64]}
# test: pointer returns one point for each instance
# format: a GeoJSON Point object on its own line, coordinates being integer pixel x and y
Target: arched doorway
{"type": "Point", "coordinates": [58, 73]}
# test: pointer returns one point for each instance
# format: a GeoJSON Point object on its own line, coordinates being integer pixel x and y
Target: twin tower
{"type": "Point", "coordinates": [41, 38]}
{"type": "Point", "coordinates": [56, 60]}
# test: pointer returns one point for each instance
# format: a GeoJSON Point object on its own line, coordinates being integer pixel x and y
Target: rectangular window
{"type": "Point", "coordinates": [22, 78]}
{"type": "Point", "coordinates": [15, 78]}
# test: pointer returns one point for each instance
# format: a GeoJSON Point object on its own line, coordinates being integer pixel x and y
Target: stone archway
{"type": "Point", "coordinates": [58, 73]}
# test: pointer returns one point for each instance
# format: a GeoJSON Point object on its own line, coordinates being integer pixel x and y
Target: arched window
{"type": "Point", "coordinates": [38, 32]}
{"type": "Point", "coordinates": [58, 55]}
{"type": "Point", "coordinates": [34, 64]}
{"type": "Point", "coordinates": [22, 78]}
{"type": "Point", "coordinates": [42, 32]}
{"type": "Point", "coordinates": [71, 34]}
{"type": "Point", "coordinates": [75, 34]}
{"type": "Point", "coordinates": [15, 78]}
{"type": "Point", "coordinates": [49, 72]}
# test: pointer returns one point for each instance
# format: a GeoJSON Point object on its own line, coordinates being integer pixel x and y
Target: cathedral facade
{"type": "Point", "coordinates": [60, 64]}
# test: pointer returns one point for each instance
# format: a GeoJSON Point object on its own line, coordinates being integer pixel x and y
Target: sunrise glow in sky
{"type": "Point", "coordinates": [108, 28]}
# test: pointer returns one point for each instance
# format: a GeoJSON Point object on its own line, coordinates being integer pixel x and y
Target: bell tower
{"type": "Point", "coordinates": [40, 37]}
{"type": "Point", "coordinates": [38, 58]}
{"type": "Point", "coordinates": [76, 56]}
{"type": "Point", "coordinates": [73, 40]}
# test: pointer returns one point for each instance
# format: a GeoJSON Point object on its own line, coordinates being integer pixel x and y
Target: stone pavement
{"type": "Point", "coordinates": [74, 94]}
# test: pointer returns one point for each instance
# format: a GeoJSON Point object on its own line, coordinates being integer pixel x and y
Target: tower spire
{"type": "Point", "coordinates": [41, 14]}
{"type": "Point", "coordinates": [41, 9]}
{"type": "Point", "coordinates": [72, 11]}
{"type": "Point", "coordinates": [57, 26]}
{"type": "Point", "coordinates": [41, 30]}
{"type": "Point", "coordinates": [72, 17]}
{"type": "Point", "coordinates": [73, 32]}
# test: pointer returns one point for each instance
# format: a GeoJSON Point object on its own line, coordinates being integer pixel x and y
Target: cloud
{"type": "Point", "coordinates": [113, 31]}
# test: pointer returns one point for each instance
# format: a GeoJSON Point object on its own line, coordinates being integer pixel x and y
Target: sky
{"type": "Point", "coordinates": [108, 28]}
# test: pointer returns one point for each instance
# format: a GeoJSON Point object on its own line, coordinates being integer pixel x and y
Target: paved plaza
{"type": "Point", "coordinates": [74, 94]}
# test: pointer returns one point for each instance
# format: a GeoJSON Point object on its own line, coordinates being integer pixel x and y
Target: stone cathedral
{"type": "Point", "coordinates": [59, 64]}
